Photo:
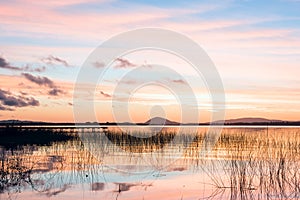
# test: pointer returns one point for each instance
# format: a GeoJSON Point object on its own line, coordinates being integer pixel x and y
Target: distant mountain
{"type": "Point", "coordinates": [13, 121]}
{"type": "Point", "coordinates": [249, 120]}
{"type": "Point", "coordinates": [160, 121]}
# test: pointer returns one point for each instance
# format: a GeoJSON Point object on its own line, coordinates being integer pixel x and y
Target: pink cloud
{"type": "Point", "coordinates": [52, 60]}
{"type": "Point", "coordinates": [129, 82]}
{"type": "Point", "coordinates": [98, 64]}
{"type": "Point", "coordinates": [180, 81]}
{"type": "Point", "coordinates": [43, 18]}
{"type": "Point", "coordinates": [123, 63]}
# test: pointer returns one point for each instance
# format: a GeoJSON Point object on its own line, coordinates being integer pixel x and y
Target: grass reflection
{"type": "Point", "coordinates": [261, 164]}
{"type": "Point", "coordinates": [245, 163]}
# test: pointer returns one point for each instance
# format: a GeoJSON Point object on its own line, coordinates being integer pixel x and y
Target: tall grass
{"type": "Point", "coordinates": [262, 164]}
{"type": "Point", "coordinates": [14, 137]}
{"type": "Point", "coordinates": [252, 163]}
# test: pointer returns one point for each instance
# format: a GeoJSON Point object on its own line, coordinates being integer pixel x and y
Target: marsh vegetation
{"type": "Point", "coordinates": [245, 163]}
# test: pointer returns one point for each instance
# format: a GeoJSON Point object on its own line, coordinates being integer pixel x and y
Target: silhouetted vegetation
{"type": "Point", "coordinates": [13, 137]}
{"type": "Point", "coordinates": [246, 163]}
{"type": "Point", "coordinates": [256, 165]}
{"type": "Point", "coordinates": [140, 145]}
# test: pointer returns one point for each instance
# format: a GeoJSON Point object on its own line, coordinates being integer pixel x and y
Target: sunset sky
{"type": "Point", "coordinates": [255, 46]}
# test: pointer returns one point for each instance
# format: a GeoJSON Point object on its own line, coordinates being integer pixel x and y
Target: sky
{"type": "Point", "coordinates": [254, 45]}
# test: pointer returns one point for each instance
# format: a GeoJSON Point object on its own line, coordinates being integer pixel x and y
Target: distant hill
{"type": "Point", "coordinates": [13, 121]}
{"type": "Point", "coordinates": [245, 120]}
{"type": "Point", "coordinates": [250, 120]}
{"type": "Point", "coordinates": [160, 121]}
{"type": "Point", "coordinates": [157, 121]}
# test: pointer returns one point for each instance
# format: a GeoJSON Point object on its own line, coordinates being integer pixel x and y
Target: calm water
{"type": "Point", "coordinates": [152, 163]}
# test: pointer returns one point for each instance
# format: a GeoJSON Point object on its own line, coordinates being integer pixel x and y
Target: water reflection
{"type": "Point", "coordinates": [246, 163]}
{"type": "Point", "coordinates": [97, 186]}
{"type": "Point", "coordinates": [257, 165]}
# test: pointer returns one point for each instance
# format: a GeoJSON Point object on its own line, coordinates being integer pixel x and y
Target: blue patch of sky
{"type": "Point", "coordinates": [45, 41]}
{"type": "Point", "coordinates": [56, 72]}
{"type": "Point", "coordinates": [9, 72]}
{"type": "Point", "coordinates": [63, 73]}
{"type": "Point", "coordinates": [293, 24]}
{"type": "Point", "coordinates": [129, 5]}
{"type": "Point", "coordinates": [239, 9]}
{"type": "Point", "coordinates": [266, 8]}
{"type": "Point", "coordinates": [266, 14]}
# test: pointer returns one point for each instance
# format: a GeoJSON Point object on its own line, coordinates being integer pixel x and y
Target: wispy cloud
{"type": "Point", "coordinates": [53, 60]}
{"type": "Point", "coordinates": [4, 64]}
{"type": "Point", "coordinates": [129, 82]}
{"type": "Point", "coordinates": [29, 68]}
{"type": "Point", "coordinates": [123, 63]}
{"type": "Point", "coordinates": [39, 80]}
{"type": "Point", "coordinates": [105, 94]}
{"type": "Point", "coordinates": [44, 81]}
{"type": "Point", "coordinates": [98, 64]}
{"type": "Point", "coordinates": [5, 108]}
{"type": "Point", "coordinates": [180, 81]}
{"type": "Point", "coordinates": [55, 92]}
{"type": "Point", "coordinates": [113, 18]}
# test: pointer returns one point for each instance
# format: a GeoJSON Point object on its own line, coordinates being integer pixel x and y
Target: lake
{"type": "Point", "coordinates": [150, 163]}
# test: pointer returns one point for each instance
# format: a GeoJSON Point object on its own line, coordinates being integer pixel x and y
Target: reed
{"type": "Point", "coordinates": [256, 163]}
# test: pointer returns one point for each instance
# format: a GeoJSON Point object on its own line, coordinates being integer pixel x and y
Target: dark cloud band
{"type": "Point", "coordinates": [9, 100]}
